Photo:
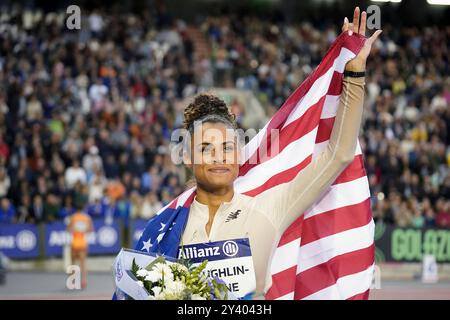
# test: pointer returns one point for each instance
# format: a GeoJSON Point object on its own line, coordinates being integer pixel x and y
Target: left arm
{"type": "Point", "coordinates": [286, 202]}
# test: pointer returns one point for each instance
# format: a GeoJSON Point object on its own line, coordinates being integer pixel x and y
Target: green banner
{"type": "Point", "coordinates": [395, 244]}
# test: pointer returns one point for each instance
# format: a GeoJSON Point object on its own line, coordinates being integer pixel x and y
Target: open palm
{"type": "Point", "coordinates": [359, 62]}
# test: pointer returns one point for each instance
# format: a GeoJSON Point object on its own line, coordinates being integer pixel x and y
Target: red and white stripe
{"type": "Point", "coordinates": [327, 253]}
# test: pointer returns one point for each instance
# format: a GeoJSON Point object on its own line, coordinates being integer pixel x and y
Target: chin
{"type": "Point", "coordinates": [220, 183]}
{"type": "Point", "coordinates": [216, 182]}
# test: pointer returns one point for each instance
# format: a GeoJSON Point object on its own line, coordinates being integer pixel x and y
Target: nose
{"type": "Point", "coordinates": [218, 156]}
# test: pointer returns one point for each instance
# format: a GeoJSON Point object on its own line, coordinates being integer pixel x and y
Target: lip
{"type": "Point", "coordinates": [219, 170]}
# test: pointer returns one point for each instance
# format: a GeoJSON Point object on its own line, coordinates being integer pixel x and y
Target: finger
{"type": "Point", "coordinates": [350, 28]}
{"type": "Point", "coordinates": [356, 20]}
{"type": "Point", "coordinates": [345, 25]}
{"type": "Point", "coordinates": [374, 36]}
{"type": "Point", "coordinates": [362, 27]}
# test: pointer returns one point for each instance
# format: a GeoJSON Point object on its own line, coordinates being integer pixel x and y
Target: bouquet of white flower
{"type": "Point", "coordinates": [165, 280]}
{"type": "Point", "coordinates": [215, 270]}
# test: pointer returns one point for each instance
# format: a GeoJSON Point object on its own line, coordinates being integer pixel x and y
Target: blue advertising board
{"type": "Point", "coordinates": [19, 240]}
{"type": "Point", "coordinates": [106, 238]}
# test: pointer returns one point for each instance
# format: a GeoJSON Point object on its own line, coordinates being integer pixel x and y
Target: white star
{"type": "Point", "coordinates": [160, 236]}
{"type": "Point", "coordinates": [172, 226]}
{"type": "Point", "coordinates": [163, 225]}
{"type": "Point", "coordinates": [147, 245]}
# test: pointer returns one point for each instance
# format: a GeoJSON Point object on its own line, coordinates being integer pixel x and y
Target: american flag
{"type": "Point", "coordinates": [328, 252]}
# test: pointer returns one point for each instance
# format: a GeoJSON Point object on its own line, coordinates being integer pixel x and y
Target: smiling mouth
{"type": "Point", "coordinates": [219, 170]}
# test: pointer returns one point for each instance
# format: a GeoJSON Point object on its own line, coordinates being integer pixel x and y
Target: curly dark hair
{"type": "Point", "coordinates": [208, 108]}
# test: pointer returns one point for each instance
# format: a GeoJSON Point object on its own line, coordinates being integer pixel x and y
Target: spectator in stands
{"type": "Point", "coordinates": [404, 216]}
{"type": "Point", "coordinates": [80, 194]}
{"type": "Point", "coordinates": [110, 100]}
{"type": "Point", "coordinates": [443, 215]}
{"type": "Point", "coordinates": [75, 174]}
{"type": "Point", "coordinates": [5, 182]}
{"type": "Point", "coordinates": [97, 208]}
{"type": "Point", "coordinates": [37, 209]}
{"type": "Point", "coordinates": [52, 207]}
{"type": "Point", "coordinates": [24, 209]}
{"type": "Point", "coordinates": [67, 209]}
{"type": "Point", "coordinates": [97, 187]}
{"type": "Point", "coordinates": [150, 206]}
{"type": "Point", "coordinates": [136, 202]}
{"type": "Point", "coordinates": [92, 162]}
{"type": "Point", "coordinates": [7, 211]}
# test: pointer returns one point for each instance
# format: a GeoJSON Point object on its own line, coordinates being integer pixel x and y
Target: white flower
{"type": "Point", "coordinates": [156, 291]}
{"type": "Point", "coordinates": [180, 267]}
{"type": "Point", "coordinates": [197, 297]}
{"type": "Point", "coordinates": [163, 269]}
{"type": "Point", "coordinates": [175, 287]}
{"type": "Point", "coordinates": [141, 272]}
{"type": "Point", "coordinates": [140, 284]}
{"type": "Point", "coordinates": [169, 296]}
{"type": "Point", "coordinates": [153, 276]}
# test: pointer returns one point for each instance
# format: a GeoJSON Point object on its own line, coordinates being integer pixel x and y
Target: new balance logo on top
{"type": "Point", "coordinates": [233, 215]}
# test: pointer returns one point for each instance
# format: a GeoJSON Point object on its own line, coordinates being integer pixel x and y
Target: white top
{"type": "Point", "coordinates": [265, 217]}
{"type": "Point", "coordinates": [73, 175]}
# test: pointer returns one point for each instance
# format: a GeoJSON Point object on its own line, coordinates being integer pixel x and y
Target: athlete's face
{"type": "Point", "coordinates": [214, 156]}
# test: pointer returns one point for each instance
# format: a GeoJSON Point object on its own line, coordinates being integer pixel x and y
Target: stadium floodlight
{"type": "Point", "coordinates": [439, 2]}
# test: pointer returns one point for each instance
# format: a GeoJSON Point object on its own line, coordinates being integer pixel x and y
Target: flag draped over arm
{"type": "Point", "coordinates": [328, 252]}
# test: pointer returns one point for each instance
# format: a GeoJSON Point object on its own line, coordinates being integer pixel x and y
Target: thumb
{"type": "Point", "coordinates": [374, 36]}
{"type": "Point", "coordinates": [345, 25]}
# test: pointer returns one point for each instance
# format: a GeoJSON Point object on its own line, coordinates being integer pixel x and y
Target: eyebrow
{"type": "Point", "coordinates": [207, 143]}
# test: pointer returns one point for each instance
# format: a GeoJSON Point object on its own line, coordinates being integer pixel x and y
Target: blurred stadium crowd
{"type": "Point", "coordinates": [86, 115]}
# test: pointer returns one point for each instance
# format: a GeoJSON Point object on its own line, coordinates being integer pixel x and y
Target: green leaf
{"type": "Point", "coordinates": [183, 260]}
{"type": "Point", "coordinates": [134, 267]}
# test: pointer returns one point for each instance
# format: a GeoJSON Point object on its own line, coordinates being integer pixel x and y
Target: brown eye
{"type": "Point", "coordinates": [206, 149]}
{"type": "Point", "coordinates": [229, 148]}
